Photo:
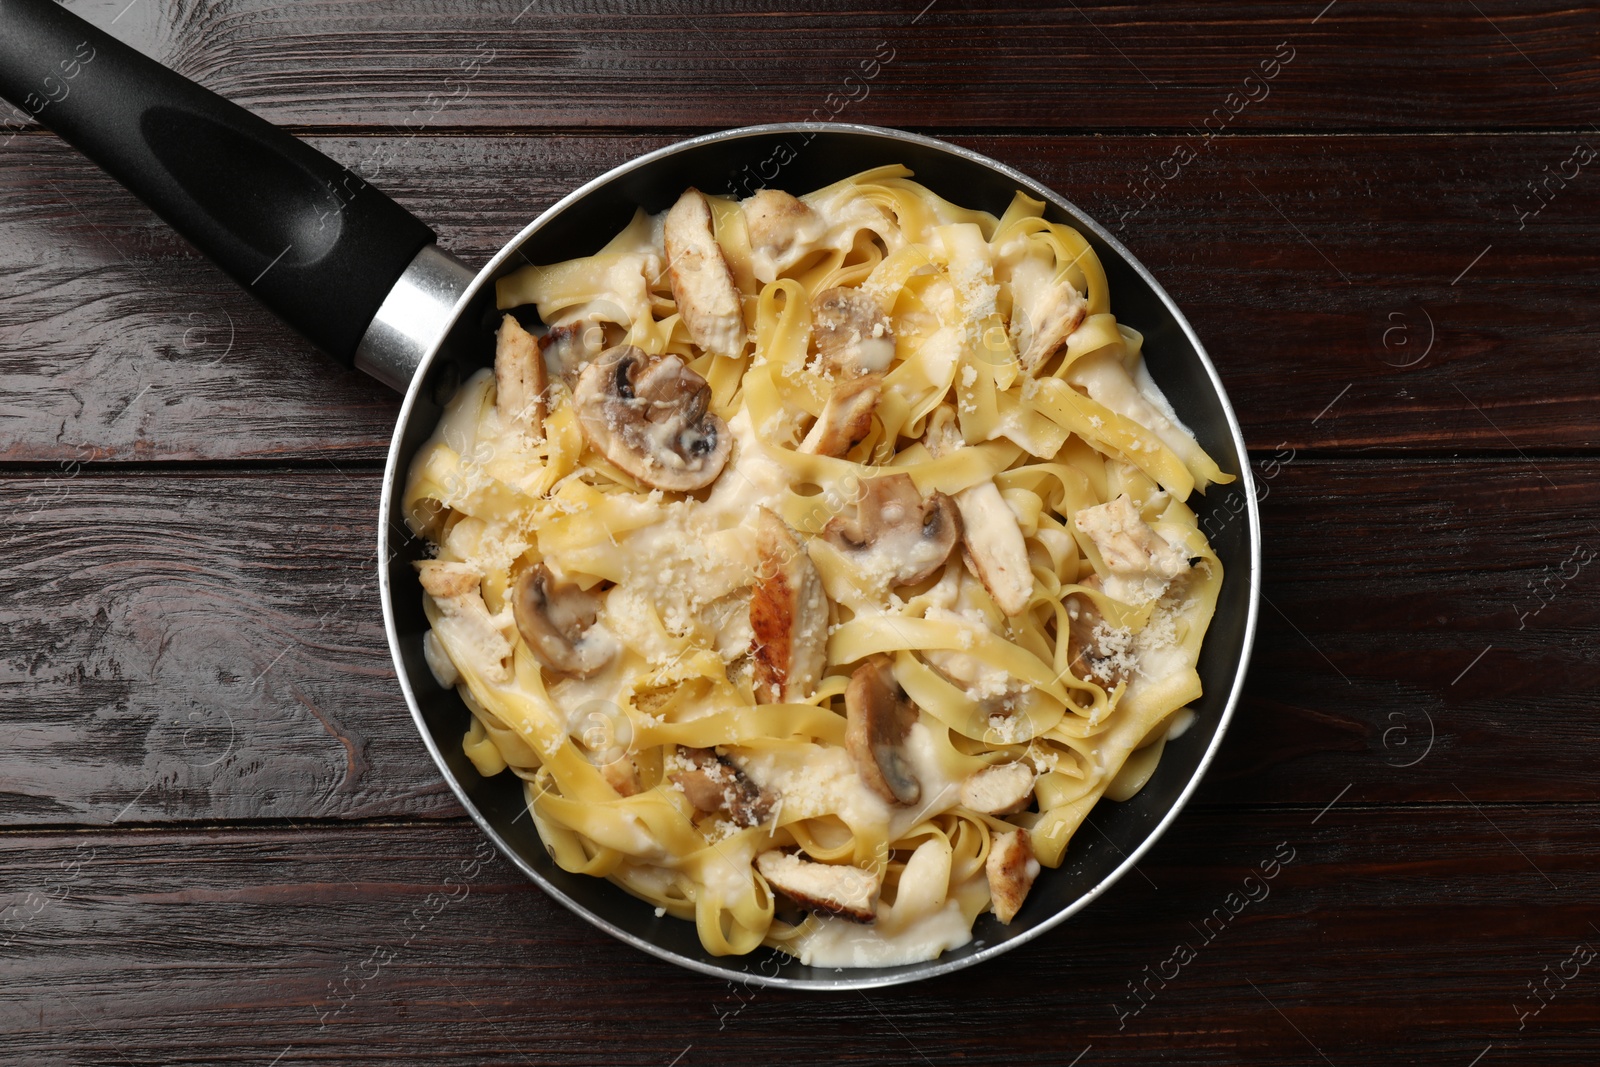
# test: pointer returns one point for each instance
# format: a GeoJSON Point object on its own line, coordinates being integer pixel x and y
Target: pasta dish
{"type": "Point", "coordinates": [817, 562]}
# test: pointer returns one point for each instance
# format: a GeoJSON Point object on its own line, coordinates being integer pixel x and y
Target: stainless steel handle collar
{"type": "Point", "coordinates": [413, 317]}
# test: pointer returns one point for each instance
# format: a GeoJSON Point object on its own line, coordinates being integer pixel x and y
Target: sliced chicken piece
{"type": "Point", "coordinates": [1142, 563]}
{"type": "Point", "coordinates": [714, 784]}
{"type": "Point", "coordinates": [999, 790]}
{"type": "Point", "coordinates": [622, 775]}
{"type": "Point", "coordinates": [1096, 652]}
{"type": "Point", "coordinates": [789, 615]}
{"type": "Point", "coordinates": [830, 888]}
{"type": "Point", "coordinates": [701, 282]}
{"type": "Point", "coordinates": [851, 333]}
{"type": "Point", "coordinates": [519, 378]}
{"type": "Point", "coordinates": [573, 346]}
{"type": "Point", "coordinates": [878, 719]}
{"type": "Point", "coordinates": [995, 546]}
{"type": "Point", "coordinates": [846, 419]}
{"type": "Point", "coordinates": [1045, 311]}
{"type": "Point", "coordinates": [1011, 869]}
{"type": "Point", "coordinates": [466, 625]}
{"type": "Point", "coordinates": [989, 529]}
{"type": "Point", "coordinates": [783, 231]}
{"type": "Point", "coordinates": [449, 582]}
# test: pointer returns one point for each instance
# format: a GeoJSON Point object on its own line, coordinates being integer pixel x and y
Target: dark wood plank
{"type": "Point", "coordinates": [117, 342]}
{"type": "Point", "coordinates": [1402, 935]}
{"type": "Point", "coordinates": [1025, 65]}
{"type": "Point", "coordinates": [210, 646]}
{"type": "Point", "coordinates": [1418, 621]}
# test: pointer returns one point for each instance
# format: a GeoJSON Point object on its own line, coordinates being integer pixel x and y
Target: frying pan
{"type": "Point", "coordinates": [363, 279]}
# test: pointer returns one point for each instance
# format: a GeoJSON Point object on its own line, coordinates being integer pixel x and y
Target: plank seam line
{"type": "Point", "coordinates": [461, 823]}
{"type": "Point", "coordinates": [443, 133]}
{"type": "Point", "coordinates": [47, 468]}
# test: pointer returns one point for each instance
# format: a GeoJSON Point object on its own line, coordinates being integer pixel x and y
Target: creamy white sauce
{"type": "Point", "coordinates": [841, 943]}
{"type": "Point", "coordinates": [814, 780]}
{"type": "Point", "coordinates": [1152, 393]}
{"type": "Point", "coordinates": [940, 789]}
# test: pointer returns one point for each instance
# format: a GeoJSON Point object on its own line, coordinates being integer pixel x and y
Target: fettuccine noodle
{"type": "Point", "coordinates": [818, 563]}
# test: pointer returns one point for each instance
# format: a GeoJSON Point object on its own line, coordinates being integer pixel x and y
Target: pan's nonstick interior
{"type": "Point", "coordinates": [799, 158]}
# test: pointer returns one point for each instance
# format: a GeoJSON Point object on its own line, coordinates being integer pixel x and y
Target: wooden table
{"type": "Point", "coordinates": [221, 833]}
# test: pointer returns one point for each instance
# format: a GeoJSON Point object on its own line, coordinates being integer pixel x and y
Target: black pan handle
{"type": "Point", "coordinates": [314, 242]}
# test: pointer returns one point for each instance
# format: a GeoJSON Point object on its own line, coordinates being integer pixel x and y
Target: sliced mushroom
{"type": "Point", "coordinates": [701, 282]}
{"type": "Point", "coordinates": [519, 378]}
{"type": "Point", "coordinates": [830, 888]}
{"type": "Point", "coordinates": [846, 419]}
{"type": "Point", "coordinates": [999, 790]}
{"type": "Point", "coordinates": [851, 333]}
{"type": "Point", "coordinates": [989, 529]}
{"type": "Point", "coordinates": [573, 346]}
{"type": "Point", "coordinates": [558, 623]}
{"type": "Point", "coordinates": [789, 615]}
{"type": "Point", "coordinates": [895, 535]}
{"type": "Point", "coordinates": [1142, 563]}
{"type": "Point", "coordinates": [466, 625]}
{"type": "Point", "coordinates": [1095, 652]}
{"type": "Point", "coordinates": [647, 414]}
{"type": "Point", "coordinates": [783, 231]}
{"type": "Point", "coordinates": [714, 784]}
{"type": "Point", "coordinates": [878, 719]}
{"type": "Point", "coordinates": [1011, 869]}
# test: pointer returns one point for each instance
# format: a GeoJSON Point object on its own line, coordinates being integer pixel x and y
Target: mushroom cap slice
{"type": "Point", "coordinates": [831, 888]}
{"type": "Point", "coordinates": [851, 333]}
{"type": "Point", "coordinates": [846, 419]}
{"type": "Point", "coordinates": [895, 534]}
{"type": "Point", "coordinates": [878, 719]}
{"type": "Point", "coordinates": [712, 783]}
{"type": "Point", "coordinates": [999, 790]}
{"type": "Point", "coordinates": [1095, 652]}
{"type": "Point", "coordinates": [788, 614]}
{"type": "Point", "coordinates": [647, 414]}
{"type": "Point", "coordinates": [1011, 869]}
{"type": "Point", "coordinates": [558, 623]}
{"type": "Point", "coordinates": [519, 377]}
{"type": "Point", "coordinates": [701, 282]}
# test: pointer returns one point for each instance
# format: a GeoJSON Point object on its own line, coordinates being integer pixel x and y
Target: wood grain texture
{"type": "Point", "coordinates": [1027, 65]}
{"type": "Point", "coordinates": [210, 647]}
{"type": "Point", "coordinates": [201, 647]}
{"type": "Point", "coordinates": [1400, 935]}
{"type": "Point", "coordinates": [1328, 277]}
{"type": "Point", "coordinates": [221, 841]}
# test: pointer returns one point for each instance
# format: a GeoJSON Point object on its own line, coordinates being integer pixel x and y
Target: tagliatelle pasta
{"type": "Point", "coordinates": [818, 563]}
